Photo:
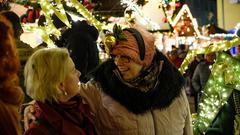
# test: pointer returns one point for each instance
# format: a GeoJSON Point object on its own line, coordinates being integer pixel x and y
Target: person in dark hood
{"type": "Point", "coordinates": [80, 40]}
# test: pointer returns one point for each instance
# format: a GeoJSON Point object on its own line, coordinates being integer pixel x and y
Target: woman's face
{"type": "Point", "coordinates": [71, 82]}
{"type": "Point", "coordinates": [127, 67]}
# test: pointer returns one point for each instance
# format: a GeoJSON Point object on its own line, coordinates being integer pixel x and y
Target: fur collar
{"type": "Point", "coordinates": [170, 83]}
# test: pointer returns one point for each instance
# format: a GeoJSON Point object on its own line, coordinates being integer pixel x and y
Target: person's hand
{"type": "Point", "coordinates": [28, 116]}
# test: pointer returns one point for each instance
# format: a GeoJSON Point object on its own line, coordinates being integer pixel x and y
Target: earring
{"type": "Point", "coordinates": [65, 93]}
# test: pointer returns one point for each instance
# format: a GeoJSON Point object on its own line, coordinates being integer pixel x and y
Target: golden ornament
{"type": "Point", "coordinates": [109, 42]}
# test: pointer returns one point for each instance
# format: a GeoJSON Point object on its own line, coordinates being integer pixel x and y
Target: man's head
{"type": "Point", "coordinates": [210, 57]}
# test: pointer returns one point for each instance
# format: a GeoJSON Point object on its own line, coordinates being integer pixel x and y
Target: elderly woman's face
{"type": "Point", "coordinates": [127, 67]}
{"type": "Point", "coordinates": [71, 82]}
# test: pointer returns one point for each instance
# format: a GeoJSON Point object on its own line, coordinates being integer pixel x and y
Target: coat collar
{"type": "Point", "coordinates": [170, 83]}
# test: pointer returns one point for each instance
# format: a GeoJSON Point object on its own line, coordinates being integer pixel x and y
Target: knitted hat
{"type": "Point", "coordinates": [130, 47]}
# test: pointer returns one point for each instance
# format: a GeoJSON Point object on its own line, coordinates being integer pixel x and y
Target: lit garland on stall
{"type": "Point", "coordinates": [48, 9]}
{"type": "Point", "coordinates": [132, 5]}
{"type": "Point", "coordinates": [212, 48]}
{"type": "Point", "coordinates": [49, 28]}
{"type": "Point", "coordinates": [85, 13]}
{"type": "Point", "coordinates": [44, 33]}
{"type": "Point", "coordinates": [222, 36]}
{"type": "Point", "coordinates": [225, 76]}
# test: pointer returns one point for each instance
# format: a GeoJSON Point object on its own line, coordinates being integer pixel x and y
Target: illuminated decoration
{"type": "Point", "coordinates": [170, 7]}
{"type": "Point", "coordinates": [131, 5]}
{"type": "Point", "coordinates": [85, 13]}
{"type": "Point", "coordinates": [209, 49]}
{"type": "Point", "coordinates": [222, 36]}
{"type": "Point", "coordinates": [184, 24]}
{"type": "Point", "coordinates": [48, 9]}
{"type": "Point", "coordinates": [237, 31]}
{"type": "Point", "coordinates": [225, 76]}
{"type": "Point", "coordinates": [56, 7]}
{"type": "Point", "coordinates": [167, 6]}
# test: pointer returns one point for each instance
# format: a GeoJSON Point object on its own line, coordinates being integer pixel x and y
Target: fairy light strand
{"type": "Point", "coordinates": [209, 49]}
{"type": "Point", "coordinates": [225, 76]}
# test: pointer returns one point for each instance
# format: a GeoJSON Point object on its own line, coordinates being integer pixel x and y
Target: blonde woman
{"type": "Point", "coordinates": [52, 80]}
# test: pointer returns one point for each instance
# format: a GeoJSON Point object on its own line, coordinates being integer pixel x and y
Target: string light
{"type": "Point", "coordinates": [57, 8]}
{"type": "Point", "coordinates": [225, 76]}
{"type": "Point", "coordinates": [209, 49]}
{"type": "Point", "coordinates": [86, 14]}
{"type": "Point", "coordinates": [48, 9]}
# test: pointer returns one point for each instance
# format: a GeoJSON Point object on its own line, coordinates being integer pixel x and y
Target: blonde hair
{"type": "Point", "coordinates": [44, 71]}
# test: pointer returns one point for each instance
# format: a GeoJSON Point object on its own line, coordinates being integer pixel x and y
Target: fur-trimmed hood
{"type": "Point", "coordinates": [170, 83]}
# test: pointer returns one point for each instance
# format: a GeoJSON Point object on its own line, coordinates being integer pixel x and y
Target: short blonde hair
{"type": "Point", "coordinates": [44, 71]}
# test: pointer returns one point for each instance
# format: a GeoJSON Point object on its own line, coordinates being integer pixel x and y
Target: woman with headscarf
{"type": "Point", "coordinates": [137, 91]}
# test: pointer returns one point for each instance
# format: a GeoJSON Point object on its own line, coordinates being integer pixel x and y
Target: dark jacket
{"type": "Point", "coordinates": [135, 100]}
{"type": "Point", "coordinates": [200, 76]}
{"type": "Point", "coordinates": [24, 52]}
{"type": "Point", "coordinates": [224, 121]}
{"type": "Point", "coordinates": [72, 118]}
{"type": "Point", "coordinates": [80, 40]}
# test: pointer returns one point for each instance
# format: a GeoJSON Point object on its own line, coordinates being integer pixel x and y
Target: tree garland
{"type": "Point", "coordinates": [225, 76]}
{"type": "Point", "coordinates": [57, 7]}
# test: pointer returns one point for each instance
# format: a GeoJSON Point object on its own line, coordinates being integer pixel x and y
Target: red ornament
{"type": "Point", "coordinates": [30, 16]}
{"type": "Point", "coordinates": [164, 19]}
{"type": "Point", "coordinates": [37, 10]}
{"type": "Point", "coordinates": [178, 4]}
{"type": "Point", "coordinates": [24, 20]}
{"type": "Point", "coordinates": [88, 5]}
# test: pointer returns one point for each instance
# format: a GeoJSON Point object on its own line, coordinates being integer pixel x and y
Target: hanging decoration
{"type": "Point", "coordinates": [225, 76]}
{"type": "Point", "coordinates": [32, 13]}
{"type": "Point", "coordinates": [49, 8]}
{"type": "Point", "coordinates": [85, 13]}
{"type": "Point", "coordinates": [56, 7]}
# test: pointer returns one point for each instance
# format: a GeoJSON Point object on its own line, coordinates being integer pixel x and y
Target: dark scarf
{"type": "Point", "coordinates": [74, 111]}
{"type": "Point", "coordinates": [168, 86]}
{"type": "Point", "coordinates": [147, 79]}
